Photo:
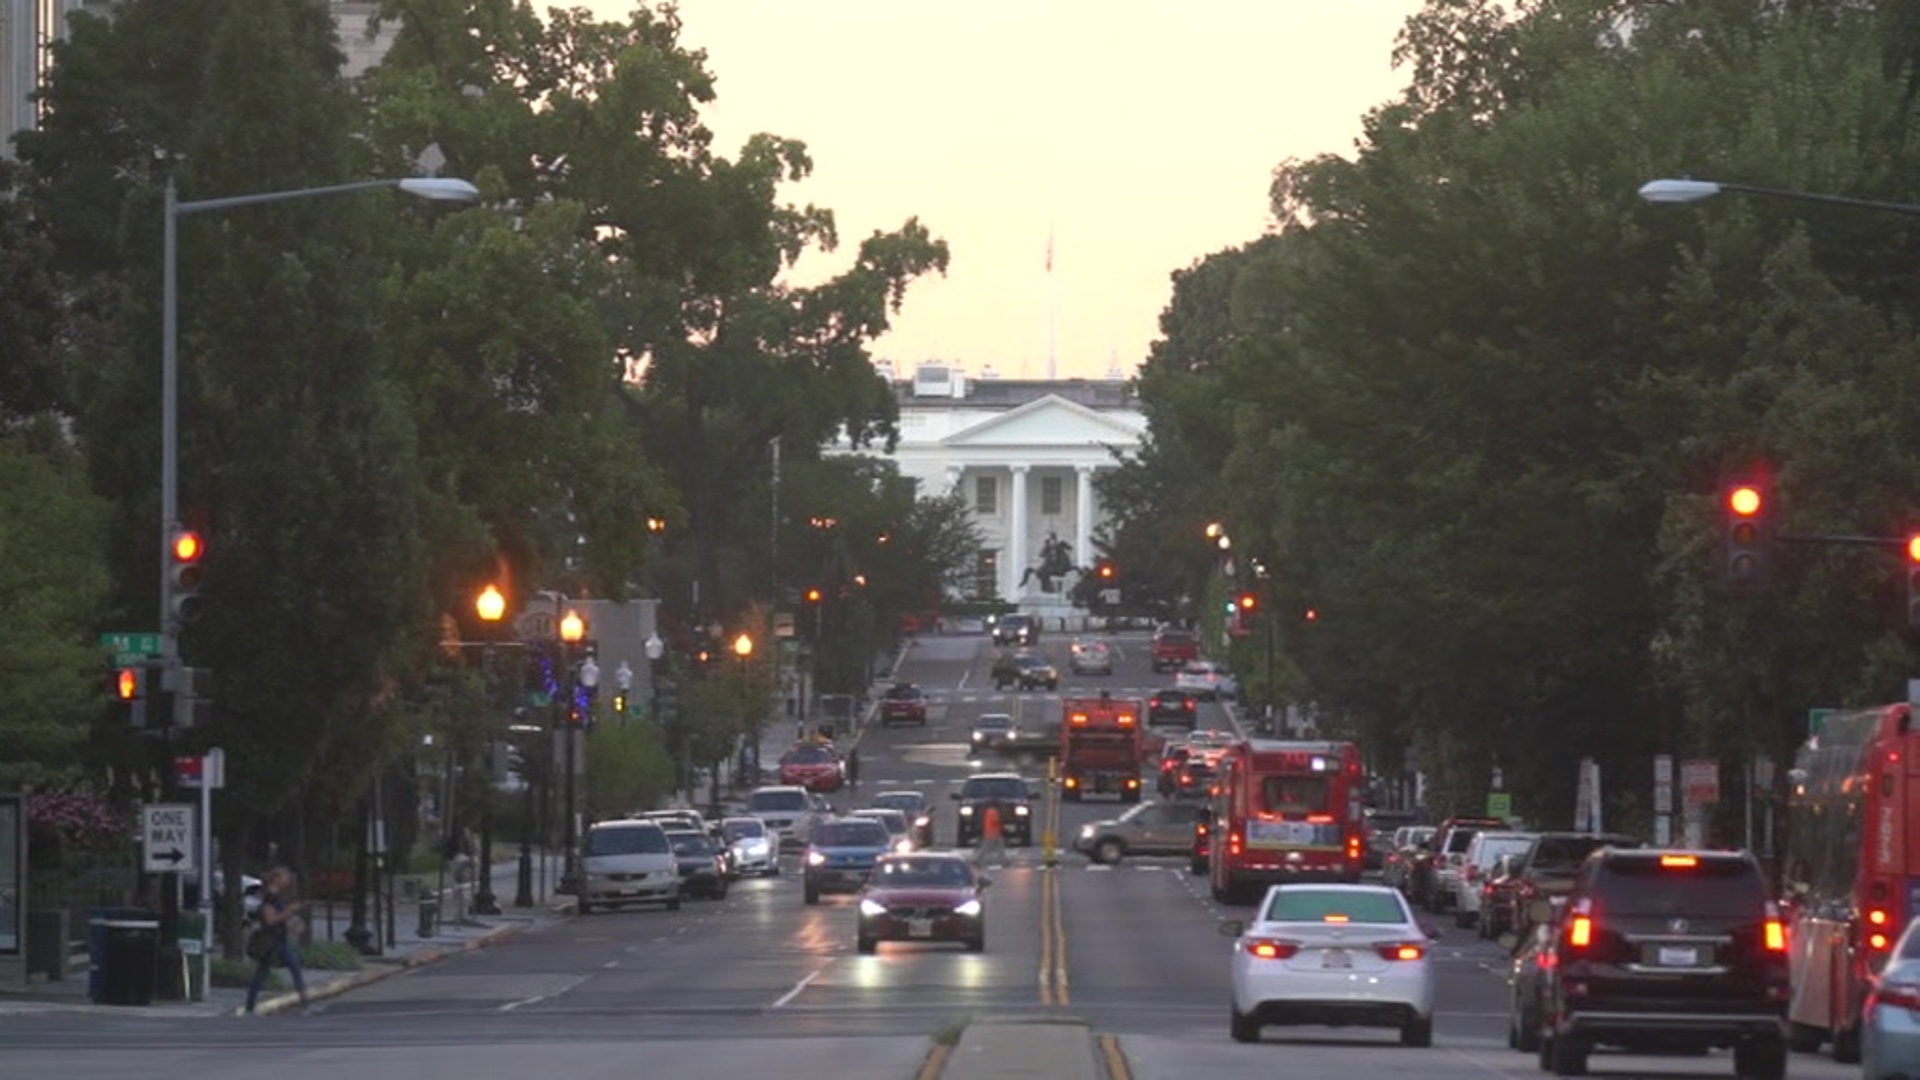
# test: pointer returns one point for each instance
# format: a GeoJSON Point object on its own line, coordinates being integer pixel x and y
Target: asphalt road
{"type": "Point", "coordinates": [762, 983]}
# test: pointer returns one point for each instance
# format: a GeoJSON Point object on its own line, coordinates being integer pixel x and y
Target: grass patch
{"type": "Point", "coordinates": [238, 973]}
{"type": "Point", "coordinates": [330, 956]}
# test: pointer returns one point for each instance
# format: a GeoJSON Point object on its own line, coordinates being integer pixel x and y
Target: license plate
{"type": "Point", "coordinates": [1678, 956]}
{"type": "Point", "coordinates": [919, 927]}
{"type": "Point", "coordinates": [1336, 958]}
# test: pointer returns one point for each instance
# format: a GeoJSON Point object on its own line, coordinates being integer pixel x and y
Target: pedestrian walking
{"type": "Point", "coordinates": [992, 842]}
{"type": "Point", "coordinates": [273, 941]}
{"type": "Point", "coordinates": [853, 767]}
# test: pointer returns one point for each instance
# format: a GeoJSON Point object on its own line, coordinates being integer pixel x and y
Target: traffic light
{"type": "Point", "coordinates": [127, 685]}
{"type": "Point", "coordinates": [1744, 508]}
{"type": "Point", "coordinates": [1911, 558]}
{"type": "Point", "coordinates": [183, 575]}
{"type": "Point", "coordinates": [1104, 570]}
{"type": "Point", "coordinates": [620, 704]}
{"type": "Point", "coordinates": [1247, 603]}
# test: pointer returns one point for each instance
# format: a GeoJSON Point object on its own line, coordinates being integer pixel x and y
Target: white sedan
{"type": "Point", "coordinates": [1207, 680]}
{"type": "Point", "coordinates": [1332, 954]}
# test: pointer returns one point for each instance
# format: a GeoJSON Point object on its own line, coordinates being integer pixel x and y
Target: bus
{"type": "Point", "coordinates": [1286, 811]}
{"type": "Point", "coordinates": [1851, 877]}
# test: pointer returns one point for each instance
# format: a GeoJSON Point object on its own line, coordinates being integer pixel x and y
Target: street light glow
{"type": "Point", "coordinates": [491, 605]}
{"type": "Point", "coordinates": [1679, 191]}
{"type": "Point", "coordinates": [743, 646]}
{"type": "Point", "coordinates": [572, 627]}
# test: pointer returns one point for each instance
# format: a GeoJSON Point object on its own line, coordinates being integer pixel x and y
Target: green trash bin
{"type": "Point", "coordinates": [429, 915]}
{"type": "Point", "coordinates": [191, 925]}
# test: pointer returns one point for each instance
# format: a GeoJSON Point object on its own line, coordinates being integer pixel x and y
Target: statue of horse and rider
{"type": "Point", "coordinates": [1056, 561]}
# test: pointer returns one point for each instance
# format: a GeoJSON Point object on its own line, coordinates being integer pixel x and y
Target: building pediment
{"type": "Point", "coordinates": [1050, 421]}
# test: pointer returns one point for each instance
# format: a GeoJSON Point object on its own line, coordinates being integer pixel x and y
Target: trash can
{"type": "Point", "coordinates": [187, 937]}
{"type": "Point", "coordinates": [429, 915]}
{"type": "Point", "coordinates": [123, 948]}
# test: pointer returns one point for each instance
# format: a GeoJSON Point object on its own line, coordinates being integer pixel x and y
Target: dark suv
{"type": "Point", "coordinates": [1008, 792]}
{"type": "Point", "coordinates": [1667, 952]}
{"type": "Point", "coordinates": [1016, 629]}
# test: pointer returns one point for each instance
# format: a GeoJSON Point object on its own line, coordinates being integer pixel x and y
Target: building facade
{"type": "Point", "coordinates": [1024, 454]}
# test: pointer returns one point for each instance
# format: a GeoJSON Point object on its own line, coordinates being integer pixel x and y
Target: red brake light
{"type": "Point", "coordinates": [1334, 917]}
{"type": "Point", "coordinates": [1404, 950]}
{"type": "Point", "coordinates": [1234, 843]}
{"type": "Point", "coordinates": [1678, 862]}
{"type": "Point", "coordinates": [1878, 942]}
{"type": "Point", "coordinates": [1877, 917]}
{"type": "Point", "coordinates": [1319, 819]}
{"type": "Point", "coordinates": [1272, 948]}
{"type": "Point", "coordinates": [1580, 931]}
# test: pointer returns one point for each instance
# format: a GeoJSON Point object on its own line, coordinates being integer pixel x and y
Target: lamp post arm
{"type": "Point", "coordinates": [426, 187]}
{"type": "Point", "coordinates": [1909, 209]}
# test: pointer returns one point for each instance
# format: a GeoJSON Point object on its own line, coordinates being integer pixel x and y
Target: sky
{"type": "Point", "coordinates": [1132, 139]}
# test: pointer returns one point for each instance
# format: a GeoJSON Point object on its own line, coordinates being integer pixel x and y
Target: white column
{"type": "Point", "coordinates": [1083, 516]}
{"type": "Point", "coordinates": [956, 475]}
{"type": "Point", "coordinates": [1017, 533]}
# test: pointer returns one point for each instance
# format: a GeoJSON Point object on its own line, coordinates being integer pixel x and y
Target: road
{"type": "Point", "coordinates": [762, 983]}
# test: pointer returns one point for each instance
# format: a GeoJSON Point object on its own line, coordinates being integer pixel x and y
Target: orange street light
{"type": "Point", "coordinates": [743, 646]}
{"type": "Point", "coordinates": [491, 604]}
{"type": "Point", "coordinates": [573, 628]}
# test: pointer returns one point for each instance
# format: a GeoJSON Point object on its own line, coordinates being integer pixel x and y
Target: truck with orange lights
{"type": "Point", "coordinates": [1285, 810]}
{"type": "Point", "coordinates": [1100, 741]}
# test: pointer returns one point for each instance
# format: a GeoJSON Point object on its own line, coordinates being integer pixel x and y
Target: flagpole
{"type": "Point", "coordinates": [1053, 367]}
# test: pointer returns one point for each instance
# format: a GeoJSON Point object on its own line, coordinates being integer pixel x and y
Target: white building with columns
{"type": "Point", "coordinates": [1024, 453]}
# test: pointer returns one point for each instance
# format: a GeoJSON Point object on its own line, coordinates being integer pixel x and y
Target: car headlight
{"type": "Point", "coordinates": [1086, 832]}
{"type": "Point", "coordinates": [814, 858]}
{"type": "Point", "coordinates": [979, 735]}
{"type": "Point", "coordinates": [922, 821]}
{"type": "Point", "coordinates": [903, 845]}
{"type": "Point", "coordinates": [1020, 811]}
{"type": "Point", "coordinates": [966, 811]}
{"type": "Point", "coordinates": [872, 909]}
{"type": "Point", "coordinates": [968, 908]}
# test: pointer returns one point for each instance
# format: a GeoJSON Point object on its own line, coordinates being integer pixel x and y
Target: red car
{"type": "Point", "coordinates": [924, 896]}
{"type": "Point", "coordinates": [815, 766]}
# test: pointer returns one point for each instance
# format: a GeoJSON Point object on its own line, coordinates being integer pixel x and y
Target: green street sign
{"type": "Point", "coordinates": [1500, 804]}
{"type": "Point", "coordinates": [1817, 718]}
{"type": "Point", "coordinates": [133, 643]}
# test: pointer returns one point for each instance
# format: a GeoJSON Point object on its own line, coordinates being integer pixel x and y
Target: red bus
{"type": "Point", "coordinates": [1286, 811]}
{"type": "Point", "coordinates": [1851, 878]}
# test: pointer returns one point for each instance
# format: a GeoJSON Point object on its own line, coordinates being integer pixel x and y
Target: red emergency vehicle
{"type": "Point", "coordinates": [1286, 811]}
{"type": "Point", "coordinates": [1100, 740]}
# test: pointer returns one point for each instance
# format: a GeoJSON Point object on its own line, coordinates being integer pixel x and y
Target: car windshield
{"type": "Point", "coordinates": [808, 755]}
{"type": "Point", "coordinates": [992, 722]}
{"type": "Point", "coordinates": [761, 801]}
{"type": "Point", "coordinates": [1709, 888]}
{"type": "Point", "coordinates": [920, 873]}
{"type": "Point", "coordinates": [994, 787]}
{"type": "Point", "coordinates": [1493, 847]}
{"type": "Point", "coordinates": [1175, 637]}
{"type": "Point", "coordinates": [689, 843]}
{"type": "Point", "coordinates": [1335, 906]}
{"type": "Point", "coordinates": [742, 829]}
{"type": "Point", "coordinates": [899, 693]}
{"type": "Point", "coordinates": [894, 821]}
{"type": "Point", "coordinates": [1294, 794]}
{"type": "Point", "coordinates": [626, 840]}
{"type": "Point", "coordinates": [1030, 661]}
{"type": "Point", "coordinates": [851, 834]}
{"type": "Point", "coordinates": [900, 800]}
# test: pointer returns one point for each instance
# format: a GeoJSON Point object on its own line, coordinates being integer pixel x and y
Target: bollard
{"type": "Point", "coordinates": [429, 914]}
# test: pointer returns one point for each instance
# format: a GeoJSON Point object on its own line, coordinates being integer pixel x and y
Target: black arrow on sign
{"type": "Point", "coordinates": [173, 856]}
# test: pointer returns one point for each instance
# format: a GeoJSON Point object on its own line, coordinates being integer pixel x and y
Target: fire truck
{"type": "Point", "coordinates": [1286, 811]}
{"type": "Point", "coordinates": [1100, 744]}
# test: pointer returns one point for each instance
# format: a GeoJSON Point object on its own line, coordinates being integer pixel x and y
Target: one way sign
{"type": "Point", "coordinates": [166, 838]}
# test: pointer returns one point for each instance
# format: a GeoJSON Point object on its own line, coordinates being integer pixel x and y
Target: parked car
{"type": "Point", "coordinates": [1171, 705]}
{"type": "Point", "coordinates": [1668, 951]}
{"type": "Point", "coordinates": [1527, 988]}
{"type": "Point", "coordinates": [1499, 895]}
{"type": "Point", "coordinates": [841, 855]}
{"type": "Point", "coordinates": [925, 896]}
{"type": "Point", "coordinates": [904, 703]}
{"type": "Point", "coordinates": [1332, 954]}
{"type": "Point", "coordinates": [1151, 828]}
{"type": "Point", "coordinates": [756, 848]}
{"type": "Point", "coordinates": [1207, 680]}
{"type": "Point", "coordinates": [703, 864]}
{"type": "Point", "coordinates": [1485, 849]}
{"type": "Point", "coordinates": [627, 862]}
{"type": "Point", "coordinates": [1380, 827]}
{"type": "Point", "coordinates": [914, 804]}
{"type": "Point", "coordinates": [1408, 844]}
{"type": "Point", "coordinates": [1089, 658]}
{"type": "Point", "coordinates": [1436, 879]}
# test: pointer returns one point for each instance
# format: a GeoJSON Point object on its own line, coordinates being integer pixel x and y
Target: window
{"type": "Point", "coordinates": [986, 574]}
{"type": "Point", "coordinates": [1294, 794]}
{"type": "Point", "coordinates": [1314, 905]}
{"type": "Point", "coordinates": [1050, 494]}
{"type": "Point", "coordinates": [986, 495]}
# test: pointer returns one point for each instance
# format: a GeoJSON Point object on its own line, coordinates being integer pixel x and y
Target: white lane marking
{"type": "Point", "coordinates": [611, 964]}
{"type": "Point", "coordinates": [797, 987]}
{"type": "Point", "coordinates": [537, 998]}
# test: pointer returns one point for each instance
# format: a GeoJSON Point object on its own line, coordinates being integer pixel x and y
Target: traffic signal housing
{"type": "Point", "coordinates": [184, 552]}
{"type": "Point", "coordinates": [1747, 529]}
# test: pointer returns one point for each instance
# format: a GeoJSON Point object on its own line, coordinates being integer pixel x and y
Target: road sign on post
{"type": "Point", "coordinates": [167, 838]}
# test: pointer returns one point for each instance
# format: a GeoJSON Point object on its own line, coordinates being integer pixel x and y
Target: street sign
{"type": "Point", "coordinates": [1817, 718]}
{"type": "Point", "coordinates": [1500, 804]}
{"type": "Point", "coordinates": [130, 643]}
{"type": "Point", "coordinates": [167, 838]}
{"type": "Point", "coordinates": [191, 772]}
{"type": "Point", "coordinates": [1700, 781]}
{"type": "Point", "coordinates": [1663, 783]}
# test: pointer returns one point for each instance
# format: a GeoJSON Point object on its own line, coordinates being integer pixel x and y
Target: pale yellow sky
{"type": "Point", "coordinates": [1141, 137]}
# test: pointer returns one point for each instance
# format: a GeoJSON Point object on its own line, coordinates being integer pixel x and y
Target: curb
{"type": "Point", "coordinates": [382, 970]}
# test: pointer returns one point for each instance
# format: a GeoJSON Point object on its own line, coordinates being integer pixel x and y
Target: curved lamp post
{"type": "Point", "coordinates": [1688, 190]}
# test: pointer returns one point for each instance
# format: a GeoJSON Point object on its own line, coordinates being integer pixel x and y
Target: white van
{"type": "Point", "coordinates": [627, 862]}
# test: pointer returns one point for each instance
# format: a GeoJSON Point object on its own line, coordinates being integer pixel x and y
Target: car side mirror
{"type": "Point", "coordinates": [954, 795]}
{"type": "Point", "coordinates": [1231, 928]}
{"type": "Point", "coordinates": [1541, 911]}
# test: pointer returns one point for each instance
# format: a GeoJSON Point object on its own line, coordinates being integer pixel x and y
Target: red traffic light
{"type": "Point", "coordinates": [1248, 602]}
{"type": "Point", "coordinates": [1105, 571]}
{"type": "Point", "coordinates": [186, 547]}
{"type": "Point", "coordinates": [813, 596]}
{"type": "Point", "coordinates": [1744, 500]}
{"type": "Point", "coordinates": [127, 684]}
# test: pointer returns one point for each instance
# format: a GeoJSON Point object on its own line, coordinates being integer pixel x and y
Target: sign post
{"type": "Point", "coordinates": [1662, 799]}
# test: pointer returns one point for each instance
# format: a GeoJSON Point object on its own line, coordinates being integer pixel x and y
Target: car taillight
{"type": "Point", "coordinates": [1271, 948]}
{"type": "Point", "coordinates": [1894, 995]}
{"type": "Point", "coordinates": [1400, 950]}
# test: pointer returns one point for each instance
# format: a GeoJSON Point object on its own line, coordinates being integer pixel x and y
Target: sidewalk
{"type": "Point", "coordinates": [1042, 1048]}
{"type": "Point", "coordinates": [407, 950]}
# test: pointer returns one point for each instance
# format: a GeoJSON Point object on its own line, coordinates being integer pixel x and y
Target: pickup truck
{"type": "Point", "coordinates": [904, 703]}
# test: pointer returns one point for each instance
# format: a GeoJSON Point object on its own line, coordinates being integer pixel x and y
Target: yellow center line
{"type": "Point", "coordinates": [1059, 945]}
{"type": "Point", "coordinates": [1046, 937]}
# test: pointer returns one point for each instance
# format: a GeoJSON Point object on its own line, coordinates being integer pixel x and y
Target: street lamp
{"type": "Point", "coordinates": [491, 606]}
{"type": "Point", "coordinates": [573, 630]}
{"type": "Point", "coordinates": [435, 188]}
{"type": "Point", "coordinates": [1686, 191]}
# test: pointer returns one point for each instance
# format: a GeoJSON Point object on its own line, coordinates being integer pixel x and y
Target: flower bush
{"type": "Point", "coordinates": [77, 821]}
